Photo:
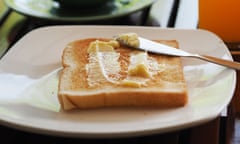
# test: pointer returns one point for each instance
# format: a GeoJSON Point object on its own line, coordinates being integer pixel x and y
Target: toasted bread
{"type": "Point", "coordinates": [79, 88]}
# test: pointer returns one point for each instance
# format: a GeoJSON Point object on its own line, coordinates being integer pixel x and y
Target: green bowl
{"type": "Point", "coordinates": [82, 3]}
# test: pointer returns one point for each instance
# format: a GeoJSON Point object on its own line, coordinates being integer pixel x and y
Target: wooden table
{"type": "Point", "coordinates": [218, 131]}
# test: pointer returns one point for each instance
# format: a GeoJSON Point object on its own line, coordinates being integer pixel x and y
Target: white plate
{"type": "Point", "coordinates": [29, 80]}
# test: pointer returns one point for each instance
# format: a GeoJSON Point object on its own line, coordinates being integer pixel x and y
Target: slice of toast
{"type": "Point", "coordinates": [84, 83]}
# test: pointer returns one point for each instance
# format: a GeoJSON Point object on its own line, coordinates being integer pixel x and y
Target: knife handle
{"type": "Point", "coordinates": [223, 62]}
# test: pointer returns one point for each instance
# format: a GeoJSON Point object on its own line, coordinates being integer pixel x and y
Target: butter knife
{"type": "Point", "coordinates": [154, 47]}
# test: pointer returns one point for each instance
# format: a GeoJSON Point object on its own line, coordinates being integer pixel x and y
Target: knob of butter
{"type": "Point", "coordinates": [101, 46]}
{"type": "Point", "coordinates": [130, 83]}
{"type": "Point", "coordinates": [129, 38]}
{"type": "Point", "coordinates": [139, 65]}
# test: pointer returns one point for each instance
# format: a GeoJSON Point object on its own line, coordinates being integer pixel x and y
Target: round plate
{"type": "Point", "coordinates": [49, 9]}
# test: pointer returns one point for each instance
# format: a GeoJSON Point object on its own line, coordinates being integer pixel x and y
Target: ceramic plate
{"type": "Point", "coordinates": [49, 9]}
{"type": "Point", "coordinates": [29, 79]}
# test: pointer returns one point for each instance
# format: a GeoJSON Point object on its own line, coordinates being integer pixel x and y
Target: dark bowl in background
{"type": "Point", "coordinates": [82, 3]}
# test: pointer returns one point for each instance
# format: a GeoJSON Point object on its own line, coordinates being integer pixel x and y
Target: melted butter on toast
{"type": "Point", "coordinates": [104, 66]}
{"type": "Point", "coordinates": [102, 46]}
{"type": "Point", "coordinates": [103, 63]}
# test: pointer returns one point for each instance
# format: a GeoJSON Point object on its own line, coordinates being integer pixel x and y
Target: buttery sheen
{"type": "Point", "coordinates": [104, 66]}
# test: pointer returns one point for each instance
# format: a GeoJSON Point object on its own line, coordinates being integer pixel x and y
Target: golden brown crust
{"type": "Point", "coordinates": [166, 89]}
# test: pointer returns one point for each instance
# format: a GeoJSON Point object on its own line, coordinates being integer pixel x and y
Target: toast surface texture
{"type": "Point", "coordinates": [165, 88]}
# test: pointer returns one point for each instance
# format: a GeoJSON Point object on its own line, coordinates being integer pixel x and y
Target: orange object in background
{"type": "Point", "coordinates": [221, 17]}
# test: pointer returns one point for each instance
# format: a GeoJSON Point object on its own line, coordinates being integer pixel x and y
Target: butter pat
{"type": "Point", "coordinates": [130, 39]}
{"type": "Point", "coordinates": [139, 65]}
{"type": "Point", "coordinates": [101, 46]}
{"type": "Point", "coordinates": [130, 83]}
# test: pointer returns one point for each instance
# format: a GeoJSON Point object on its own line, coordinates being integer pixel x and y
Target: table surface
{"type": "Point", "coordinates": [14, 25]}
